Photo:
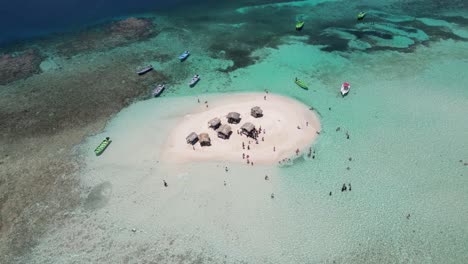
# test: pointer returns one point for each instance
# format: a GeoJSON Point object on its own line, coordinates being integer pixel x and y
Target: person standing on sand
{"type": "Point", "coordinates": [274, 149]}
{"type": "Point", "coordinates": [198, 100]}
{"type": "Point", "coordinates": [263, 139]}
{"type": "Point", "coordinates": [165, 183]}
{"type": "Point", "coordinates": [243, 155]}
{"type": "Point", "coordinates": [248, 147]}
{"type": "Point", "coordinates": [264, 97]}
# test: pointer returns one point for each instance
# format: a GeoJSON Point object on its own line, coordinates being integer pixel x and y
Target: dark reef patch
{"type": "Point", "coordinates": [19, 66]}
{"type": "Point", "coordinates": [105, 36]}
{"type": "Point", "coordinates": [72, 100]}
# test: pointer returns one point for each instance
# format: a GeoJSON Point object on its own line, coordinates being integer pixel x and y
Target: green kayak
{"type": "Point", "coordinates": [301, 84]}
{"type": "Point", "coordinates": [361, 15]}
{"type": "Point", "coordinates": [100, 149]}
{"type": "Point", "coordinates": [299, 25]}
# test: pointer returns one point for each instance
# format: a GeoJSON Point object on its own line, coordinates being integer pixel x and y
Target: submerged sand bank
{"type": "Point", "coordinates": [286, 124]}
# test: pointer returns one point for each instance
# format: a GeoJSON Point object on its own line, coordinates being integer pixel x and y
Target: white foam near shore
{"type": "Point", "coordinates": [286, 126]}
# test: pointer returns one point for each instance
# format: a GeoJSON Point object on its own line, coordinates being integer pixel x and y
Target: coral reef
{"type": "Point", "coordinates": [18, 66]}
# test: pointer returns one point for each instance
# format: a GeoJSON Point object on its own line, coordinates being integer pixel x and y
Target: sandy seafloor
{"type": "Point", "coordinates": [406, 117]}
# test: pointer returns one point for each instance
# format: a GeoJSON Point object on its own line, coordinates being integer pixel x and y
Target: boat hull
{"type": "Point", "coordinates": [302, 85]}
{"type": "Point", "coordinates": [344, 91]}
{"type": "Point", "coordinates": [184, 56]}
{"type": "Point", "coordinates": [158, 90]}
{"type": "Point", "coordinates": [194, 81]}
{"type": "Point", "coordinates": [145, 70]}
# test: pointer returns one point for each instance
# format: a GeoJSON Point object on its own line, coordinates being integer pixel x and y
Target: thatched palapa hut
{"type": "Point", "coordinates": [248, 129]}
{"type": "Point", "coordinates": [204, 139]}
{"type": "Point", "coordinates": [224, 131]}
{"type": "Point", "coordinates": [214, 123]}
{"type": "Point", "coordinates": [256, 112]}
{"type": "Point", "coordinates": [233, 118]}
{"type": "Point", "coordinates": [192, 138]}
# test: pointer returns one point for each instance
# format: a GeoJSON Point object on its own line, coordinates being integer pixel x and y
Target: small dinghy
{"type": "Point", "coordinates": [158, 90]}
{"type": "Point", "coordinates": [345, 88]}
{"type": "Point", "coordinates": [184, 55]}
{"type": "Point", "coordinates": [301, 84]}
{"type": "Point", "coordinates": [361, 15]}
{"type": "Point", "coordinates": [194, 80]}
{"type": "Point", "coordinates": [145, 70]}
{"type": "Point", "coordinates": [299, 25]}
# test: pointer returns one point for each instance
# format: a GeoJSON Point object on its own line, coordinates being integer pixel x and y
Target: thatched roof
{"type": "Point", "coordinates": [191, 137]}
{"type": "Point", "coordinates": [225, 129]}
{"type": "Point", "coordinates": [204, 137]}
{"type": "Point", "coordinates": [249, 127]}
{"type": "Point", "coordinates": [214, 122]}
{"type": "Point", "coordinates": [233, 115]}
{"type": "Point", "coordinates": [256, 110]}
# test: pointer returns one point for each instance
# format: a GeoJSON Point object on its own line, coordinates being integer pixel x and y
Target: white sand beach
{"type": "Point", "coordinates": [286, 126]}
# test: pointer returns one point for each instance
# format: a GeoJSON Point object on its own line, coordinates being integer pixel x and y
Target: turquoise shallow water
{"type": "Point", "coordinates": [405, 115]}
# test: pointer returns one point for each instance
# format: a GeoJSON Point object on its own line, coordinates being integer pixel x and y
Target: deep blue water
{"type": "Point", "coordinates": [20, 20]}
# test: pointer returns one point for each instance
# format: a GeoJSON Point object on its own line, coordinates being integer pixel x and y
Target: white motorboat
{"type": "Point", "coordinates": [345, 88]}
{"type": "Point", "coordinates": [194, 80]}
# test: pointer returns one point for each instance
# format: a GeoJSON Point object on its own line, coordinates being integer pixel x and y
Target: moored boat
{"type": "Point", "coordinates": [184, 55]}
{"type": "Point", "coordinates": [158, 90]}
{"type": "Point", "coordinates": [194, 80]}
{"type": "Point", "coordinates": [145, 70]}
{"type": "Point", "coordinates": [361, 15]}
{"type": "Point", "coordinates": [299, 25]}
{"type": "Point", "coordinates": [345, 88]}
{"type": "Point", "coordinates": [301, 84]}
{"type": "Point", "coordinates": [104, 144]}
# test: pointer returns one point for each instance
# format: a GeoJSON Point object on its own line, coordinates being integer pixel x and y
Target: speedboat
{"type": "Point", "coordinates": [145, 70]}
{"type": "Point", "coordinates": [299, 25]}
{"type": "Point", "coordinates": [158, 90]}
{"type": "Point", "coordinates": [194, 80]}
{"type": "Point", "coordinates": [345, 88]}
{"type": "Point", "coordinates": [184, 55]}
{"type": "Point", "coordinates": [301, 84]}
{"type": "Point", "coordinates": [361, 15]}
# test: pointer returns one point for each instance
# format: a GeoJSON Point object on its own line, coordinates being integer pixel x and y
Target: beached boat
{"type": "Point", "coordinates": [145, 70]}
{"type": "Point", "coordinates": [345, 88]}
{"type": "Point", "coordinates": [184, 55]}
{"type": "Point", "coordinates": [104, 144]}
{"type": "Point", "coordinates": [301, 84]}
{"type": "Point", "coordinates": [299, 25]}
{"type": "Point", "coordinates": [361, 15]}
{"type": "Point", "coordinates": [194, 80]}
{"type": "Point", "coordinates": [158, 90]}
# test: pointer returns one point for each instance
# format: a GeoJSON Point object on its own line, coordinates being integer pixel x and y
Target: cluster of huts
{"type": "Point", "coordinates": [224, 130]}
